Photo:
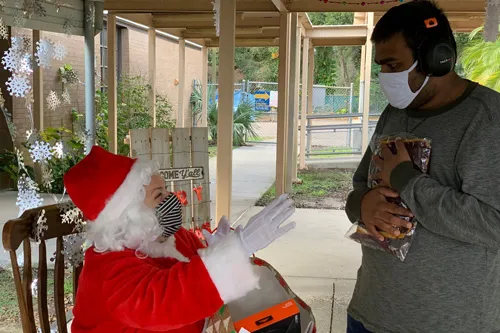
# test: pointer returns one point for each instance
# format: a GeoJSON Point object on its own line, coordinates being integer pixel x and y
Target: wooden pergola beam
{"type": "Point", "coordinates": [187, 21]}
{"type": "Point", "coordinates": [337, 31]}
{"type": "Point", "coordinates": [461, 6]}
{"type": "Point", "coordinates": [245, 42]}
{"type": "Point", "coordinates": [249, 33]}
{"type": "Point", "coordinates": [280, 5]}
{"type": "Point", "coordinates": [182, 6]}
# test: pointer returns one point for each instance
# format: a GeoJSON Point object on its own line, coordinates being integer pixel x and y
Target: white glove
{"type": "Point", "coordinates": [264, 228]}
{"type": "Point", "coordinates": [222, 230]}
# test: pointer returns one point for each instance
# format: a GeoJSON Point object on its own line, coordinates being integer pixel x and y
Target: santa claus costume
{"type": "Point", "coordinates": [130, 281]}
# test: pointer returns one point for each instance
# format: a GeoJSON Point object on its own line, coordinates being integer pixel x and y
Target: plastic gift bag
{"type": "Point", "coordinates": [419, 150]}
{"type": "Point", "coordinates": [272, 308]}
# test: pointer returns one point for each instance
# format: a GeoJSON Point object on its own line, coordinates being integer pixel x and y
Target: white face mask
{"type": "Point", "coordinates": [396, 88]}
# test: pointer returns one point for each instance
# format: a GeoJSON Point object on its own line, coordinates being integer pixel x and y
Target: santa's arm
{"type": "Point", "coordinates": [147, 297]}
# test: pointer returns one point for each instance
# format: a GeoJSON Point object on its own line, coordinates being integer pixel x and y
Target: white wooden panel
{"type": "Point", "coordinates": [200, 158]}
{"type": "Point", "coordinates": [181, 146]}
{"type": "Point", "coordinates": [140, 144]}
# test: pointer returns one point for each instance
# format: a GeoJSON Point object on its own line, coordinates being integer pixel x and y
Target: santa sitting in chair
{"type": "Point", "coordinates": [144, 272]}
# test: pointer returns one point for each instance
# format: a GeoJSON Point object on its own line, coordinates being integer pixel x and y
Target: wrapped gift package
{"type": "Point", "coordinates": [284, 317]}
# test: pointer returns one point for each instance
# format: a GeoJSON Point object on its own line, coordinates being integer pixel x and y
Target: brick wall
{"type": "Point", "coordinates": [134, 53]}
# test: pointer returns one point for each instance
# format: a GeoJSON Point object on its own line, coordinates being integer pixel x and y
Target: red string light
{"type": "Point", "coordinates": [361, 3]}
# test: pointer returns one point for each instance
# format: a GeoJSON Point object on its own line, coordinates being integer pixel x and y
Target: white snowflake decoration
{"type": "Point", "coordinates": [47, 178]}
{"type": "Point", "coordinates": [74, 248]}
{"type": "Point", "coordinates": [216, 4]}
{"type": "Point", "coordinates": [28, 196]}
{"type": "Point", "coordinates": [58, 149]}
{"type": "Point", "coordinates": [18, 85]}
{"type": "Point", "coordinates": [21, 44]}
{"type": "Point", "coordinates": [41, 226]}
{"type": "Point", "coordinates": [66, 98]}
{"type": "Point", "coordinates": [40, 152]}
{"type": "Point", "coordinates": [60, 51]}
{"type": "Point", "coordinates": [4, 31]}
{"type": "Point", "coordinates": [70, 214]}
{"type": "Point", "coordinates": [69, 25]}
{"type": "Point", "coordinates": [52, 100]}
{"type": "Point", "coordinates": [44, 53]}
{"type": "Point", "coordinates": [34, 288]}
{"type": "Point", "coordinates": [20, 160]}
{"type": "Point", "coordinates": [8, 118]}
{"type": "Point", "coordinates": [11, 60]}
{"type": "Point", "coordinates": [34, 8]}
{"type": "Point", "coordinates": [19, 19]}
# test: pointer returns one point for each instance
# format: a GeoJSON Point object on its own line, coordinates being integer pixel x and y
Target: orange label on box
{"type": "Point", "coordinates": [268, 317]}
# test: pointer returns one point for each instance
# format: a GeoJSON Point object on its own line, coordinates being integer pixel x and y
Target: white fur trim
{"type": "Point", "coordinates": [139, 176]}
{"type": "Point", "coordinates": [230, 268]}
{"type": "Point", "coordinates": [166, 249]}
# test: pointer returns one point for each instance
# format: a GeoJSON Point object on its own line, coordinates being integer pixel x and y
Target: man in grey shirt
{"type": "Point", "coordinates": [450, 279]}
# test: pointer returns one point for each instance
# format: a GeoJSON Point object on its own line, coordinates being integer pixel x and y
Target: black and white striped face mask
{"type": "Point", "coordinates": [169, 213]}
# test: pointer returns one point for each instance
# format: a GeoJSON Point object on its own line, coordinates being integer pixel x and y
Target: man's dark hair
{"type": "Point", "coordinates": [408, 19]}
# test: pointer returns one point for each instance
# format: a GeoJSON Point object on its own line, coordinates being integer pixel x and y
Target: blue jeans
{"type": "Point", "coordinates": [354, 326]}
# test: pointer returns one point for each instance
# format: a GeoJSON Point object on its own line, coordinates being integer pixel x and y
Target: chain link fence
{"type": "Point", "coordinates": [334, 127]}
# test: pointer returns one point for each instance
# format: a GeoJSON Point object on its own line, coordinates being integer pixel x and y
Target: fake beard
{"type": "Point", "coordinates": [137, 229]}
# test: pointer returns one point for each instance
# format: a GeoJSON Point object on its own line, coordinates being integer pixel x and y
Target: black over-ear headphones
{"type": "Point", "coordinates": [436, 56]}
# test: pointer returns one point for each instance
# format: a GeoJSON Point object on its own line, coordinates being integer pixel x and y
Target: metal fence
{"type": "Point", "coordinates": [334, 127]}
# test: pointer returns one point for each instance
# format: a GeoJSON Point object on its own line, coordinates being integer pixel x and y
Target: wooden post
{"type": "Point", "coordinates": [284, 48]}
{"type": "Point", "coordinates": [305, 99]}
{"type": "Point", "coordinates": [182, 84]}
{"type": "Point", "coordinates": [204, 87]}
{"type": "Point", "coordinates": [296, 109]}
{"type": "Point", "coordinates": [368, 77]}
{"type": "Point", "coordinates": [112, 104]}
{"type": "Point", "coordinates": [291, 125]}
{"type": "Point", "coordinates": [152, 73]}
{"type": "Point", "coordinates": [38, 113]}
{"type": "Point", "coordinates": [225, 118]}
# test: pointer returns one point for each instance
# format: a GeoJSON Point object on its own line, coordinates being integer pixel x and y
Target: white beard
{"type": "Point", "coordinates": [137, 229]}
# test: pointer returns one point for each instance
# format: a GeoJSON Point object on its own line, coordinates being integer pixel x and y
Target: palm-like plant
{"type": "Point", "coordinates": [243, 121]}
{"type": "Point", "coordinates": [481, 61]}
{"type": "Point", "coordinates": [196, 100]}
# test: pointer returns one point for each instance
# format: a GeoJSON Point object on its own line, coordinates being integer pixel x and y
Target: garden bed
{"type": "Point", "coordinates": [320, 189]}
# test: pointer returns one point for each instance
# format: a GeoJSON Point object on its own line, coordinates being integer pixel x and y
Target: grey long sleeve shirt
{"type": "Point", "coordinates": [450, 280]}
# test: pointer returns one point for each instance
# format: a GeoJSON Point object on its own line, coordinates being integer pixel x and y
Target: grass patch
{"type": "Point", "coordinates": [339, 152]}
{"type": "Point", "coordinates": [9, 309]}
{"type": "Point", "coordinates": [317, 187]}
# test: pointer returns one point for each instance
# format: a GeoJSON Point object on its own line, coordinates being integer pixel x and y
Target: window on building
{"type": "Point", "coordinates": [103, 45]}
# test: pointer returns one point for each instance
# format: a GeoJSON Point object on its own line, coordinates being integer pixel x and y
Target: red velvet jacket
{"type": "Point", "coordinates": [119, 292]}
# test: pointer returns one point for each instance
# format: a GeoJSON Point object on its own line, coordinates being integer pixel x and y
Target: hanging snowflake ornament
{"type": "Point", "coordinates": [58, 149]}
{"type": "Point", "coordinates": [492, 21]}
{"type": "Point", "coordinates": [58, 4]}
{"type": "Point", "coordinates": [52, 100]}
{"type": "Point", "coordinates": [28, 196]}
{"type": "Point", "coordinates": [20, 161]}
{"type": "Point", "coordinates": [10, 124]}
{"type": "Point", "coordinates": [73, 249]}
{"type": "Point", "coordinates": [66, 98]}
{"type": "Point", "coordinates": [47, 178]}
{"type": "Point", "coordinates": [40, 152]}
{"type": "Point", "coordinates": [90, 14]}
{"type": "Point", "coordinates": [44, 52]}
{"type": "Point", "coordinates": [34, 8]}
{"type": "Point", "coordinates": [216, 4]}
{"type": "Point", "coordinates": [11, 60]}
{"type": "Point", "coordinates": [29, 99]}
{"type": "Point", "coordinates": [41, 226]}
{"type": "Point", "coordinates": [70, 214]}
{"type": "Point", "coordinates": [19, 19]}
{"type": "Point", "coordinates": [68, 26]}
{"type": "Point", "coordinates": [21, 44]}
{"type": "Point", "coordinates": [4, 31]}
{"type": "Point", "coordinates": [59, 51]}
{"type": "Point", "coordinates": [18, 85]}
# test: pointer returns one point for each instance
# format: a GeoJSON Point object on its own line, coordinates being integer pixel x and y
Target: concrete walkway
{"type": "Point", "coordinates": [314, 259]}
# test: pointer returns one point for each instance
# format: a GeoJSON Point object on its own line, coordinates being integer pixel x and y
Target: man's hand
{"type": "Point", "coordinates": [378, 214]}
{"type": "Point", "coordinates": [389, 161]}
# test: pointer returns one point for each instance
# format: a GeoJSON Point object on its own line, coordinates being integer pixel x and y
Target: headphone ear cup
{"type": "Point", "coordinates": [436, 58]}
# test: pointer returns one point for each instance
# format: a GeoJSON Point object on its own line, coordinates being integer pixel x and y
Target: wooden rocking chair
{"type": "Point", "coordinates": [19, 231]}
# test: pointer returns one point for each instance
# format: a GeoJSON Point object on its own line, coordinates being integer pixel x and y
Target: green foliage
{"type": "Point", "coordinates": [9, 165]}
{"type": "Point", "coordinates": [480, 60]}
{"type": "Point", "coordinates": [133, 111]}
{"type": "Point", "coordinates": [243, 121]}
{"type": "Point", "coordinates": [196, 100]}
{"type": "Point", "coordinates": [257, 63]}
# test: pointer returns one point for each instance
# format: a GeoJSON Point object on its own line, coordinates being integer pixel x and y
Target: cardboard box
{"type": "Point", "coordinates": [281, 318]}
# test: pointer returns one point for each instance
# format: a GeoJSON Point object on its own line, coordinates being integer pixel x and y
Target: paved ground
{"type": "Point", "coordinates": [314, 259]}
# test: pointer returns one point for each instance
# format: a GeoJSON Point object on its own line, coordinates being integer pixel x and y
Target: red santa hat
{"type": "Point", "coordinates": [103, 185]}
